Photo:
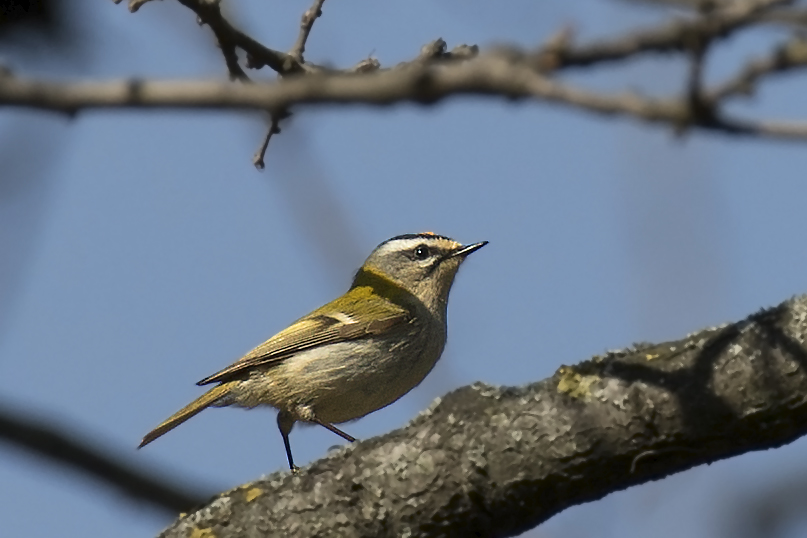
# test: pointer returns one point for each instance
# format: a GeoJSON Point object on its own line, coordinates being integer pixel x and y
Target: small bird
{"type": "Point", "coordinates": [356, 354]}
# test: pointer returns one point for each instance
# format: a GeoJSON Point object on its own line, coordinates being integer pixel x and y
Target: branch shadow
{"type": "Point", "coordinates": [705, 413]}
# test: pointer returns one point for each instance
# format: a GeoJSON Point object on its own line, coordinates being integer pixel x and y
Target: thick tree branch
{"type": "Point", "coordinates": [47, 441]}
{"type": "Point", "coordinates": [489, 461]}
{"type": "Point", "coordinates": [504, 73]}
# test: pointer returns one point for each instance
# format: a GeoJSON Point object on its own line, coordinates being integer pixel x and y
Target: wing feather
{"type": "Point", "coordinates": [314, 330]}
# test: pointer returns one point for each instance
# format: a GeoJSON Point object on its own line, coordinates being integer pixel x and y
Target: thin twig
{"type": "Point", "coordinates": [296, 52]}
{"type": "Point", "coordinates": [306, 23]}
{"type": "Point", "coordinates": [49, 442]}
{"type": "Point", "coordinates": [789, 17]}
{"type": "Point", "coordinates": [668, 37]}
{"type": "Point", "coordinates": [788, 57]}
{"type": "Point", "coordinates": [228, 37]}
{"type": "Point", "coordinates": [209, 13]}
{"type": "Point", "coordinates": [274, 128]}
{"type": "Point", "coordinates": [701, 111]}
{"type": "Point", "coordinates": [698, 45]}
{"type": "Point", "coordinates": [134, 5]}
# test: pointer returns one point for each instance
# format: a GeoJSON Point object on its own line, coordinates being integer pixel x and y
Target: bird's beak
{"type": "Point", "coordinates": [464, 251]}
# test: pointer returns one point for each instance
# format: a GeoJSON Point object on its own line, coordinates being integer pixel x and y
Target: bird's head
{"type": "Point", "coordinates": [424, 264]}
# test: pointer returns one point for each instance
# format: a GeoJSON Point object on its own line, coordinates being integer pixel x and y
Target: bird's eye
{"type": "Point", "coordinates": [421, 252]}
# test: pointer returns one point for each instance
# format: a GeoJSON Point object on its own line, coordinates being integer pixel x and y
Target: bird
{"type": "Point", "coordinates": [351, 357]}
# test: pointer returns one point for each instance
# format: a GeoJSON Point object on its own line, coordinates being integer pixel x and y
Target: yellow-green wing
{"type": "Point", "coordinates": [319, 329]}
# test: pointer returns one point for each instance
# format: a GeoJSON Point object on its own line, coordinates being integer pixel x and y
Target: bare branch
{"type": "Point", "coordinates": [510, 73]}
{"type": "Point", "coordinates": [296, 52]}
{"type": "Point", "coordinates": [701, 110]}
{"type": "Point", "coordinates": [307, 22]}
{"type": "Point", "coordinates": [274, 128]}
{"type": "Point", "coordinates": [787, 57]}
{"type": "Point", "coordinates": [134, 5]}
{"type": "Point", "coordinates": [503, 73]}
{"type": "Point", "coordinates": [669, 37]}
{"type": "Point", "coordinates": [793, 17]}
{"type": "Point", "coordinates": [229, 37]}
{"type": "Point", "coordinates": [673, 36]}
{"type": "Point", "coordinates": [49, 442]}
{"type": "Point", "coordinates": [489, 461]}
{"type": "Point", "coordinates": [785, 16]}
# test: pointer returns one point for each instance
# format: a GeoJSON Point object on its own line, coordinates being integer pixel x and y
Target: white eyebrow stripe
{"type": "Point", "coordinates": [402, 244]}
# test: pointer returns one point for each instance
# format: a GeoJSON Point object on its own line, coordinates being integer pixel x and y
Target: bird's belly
{"type": "Point", "coordinates": [347, 380]}
{"type": "Point", "coordinates": [374, 383]}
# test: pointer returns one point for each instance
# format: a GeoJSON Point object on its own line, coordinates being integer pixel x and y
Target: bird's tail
{"type": "Point", "coordinates": [192, 409]}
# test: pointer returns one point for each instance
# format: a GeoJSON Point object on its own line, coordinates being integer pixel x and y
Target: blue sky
{"type": "Point", "coordinates": [147, 252]}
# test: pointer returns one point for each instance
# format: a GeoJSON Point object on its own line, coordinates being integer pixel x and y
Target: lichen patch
{"type": "Point", "coordinates": [574, 384]}
{"type": "Point", "coordinates": [252, 493]}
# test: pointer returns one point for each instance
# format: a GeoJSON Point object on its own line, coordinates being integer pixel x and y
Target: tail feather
{"type": "Point", "coordinates": [190, 410]}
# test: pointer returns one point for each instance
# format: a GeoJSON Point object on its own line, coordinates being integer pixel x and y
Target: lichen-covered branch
{"type": "Point", "coordinates": [489, 461]}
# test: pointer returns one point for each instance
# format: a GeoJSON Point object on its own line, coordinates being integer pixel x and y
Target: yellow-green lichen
{"type": "Point", "coordinates": [252, 493]}
{"type": "Point", "coordinates": [574, 384]}
{"type": "Point", "coordinates": [202, 533]}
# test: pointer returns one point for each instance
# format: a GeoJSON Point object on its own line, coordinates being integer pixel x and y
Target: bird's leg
{"type": "Point", "coordinates": [307, 414]}
{"type": "Point", "coordinates": [285, 422]}
{"type": "Point", "coordinates": [335, 430]}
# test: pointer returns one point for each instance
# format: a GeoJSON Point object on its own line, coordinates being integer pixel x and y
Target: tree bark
{"type": "Point", "coordinates": [488, 461]}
